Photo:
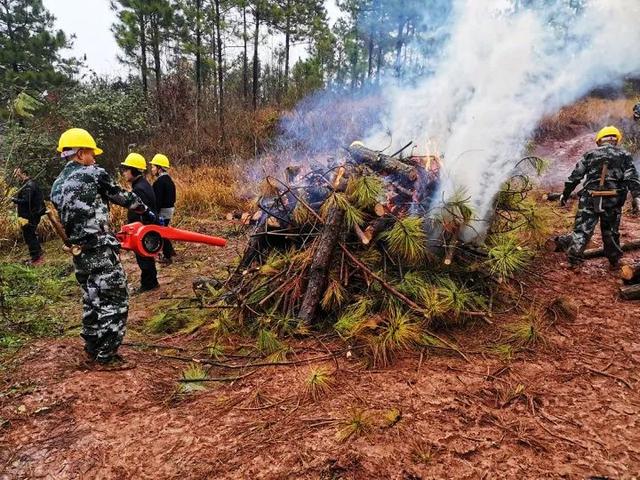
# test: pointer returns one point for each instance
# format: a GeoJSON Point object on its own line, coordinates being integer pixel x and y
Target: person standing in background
{"type": "Point", "coordinates": [134, 167]}
{"type": "Point", "coordinates": [165, 192]}
{"type": "Point", "coordinates": [30, 204]}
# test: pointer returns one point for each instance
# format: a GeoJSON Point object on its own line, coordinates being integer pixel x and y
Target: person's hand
{"type": "Point", "coordinates": [15, 200]}
{"type": "Point", "coordinates": [635, 207]}
{"type": "Point", "coordinates": [563, 201]}
{"type": "Point", "coordinates": [149, 217]}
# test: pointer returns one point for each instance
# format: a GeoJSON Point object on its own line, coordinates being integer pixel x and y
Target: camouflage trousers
{"type": "Point", "coordinates": [105, 300]}
{"type": "Point", "coordinates": [585, 223]}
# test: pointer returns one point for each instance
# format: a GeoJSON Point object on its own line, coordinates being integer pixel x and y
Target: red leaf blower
{"type": "Point", "coordinates": [146, 240]}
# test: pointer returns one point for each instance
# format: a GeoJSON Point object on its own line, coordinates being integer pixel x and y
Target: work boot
{"type": "Point", "coordinates": [34, 262]}
{"type": "Point", "coordinates": [614, 264]}
{"type": "Point", "coordinates": [113, 363]}
{"type": "Point", "coordinates": [142, 289]}
{"type": "Point", "coordinates": [165, 261]}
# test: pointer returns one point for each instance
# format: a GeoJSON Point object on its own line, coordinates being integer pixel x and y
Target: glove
{"type": "Point", "coordinates": [635, 206]}
{"type": "Point", "coordinates": [15, 200]}
{"type": "Point", "coordinates": [563, 201]}
{"type": "Point", "coordinates": [148, 217]}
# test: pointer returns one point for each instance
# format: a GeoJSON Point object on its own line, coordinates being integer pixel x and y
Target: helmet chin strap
{"type": "Point", "coordinates": [69, 153]}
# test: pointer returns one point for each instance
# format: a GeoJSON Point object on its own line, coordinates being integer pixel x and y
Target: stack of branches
{"type": "Point", "coordinates": [356, 248]}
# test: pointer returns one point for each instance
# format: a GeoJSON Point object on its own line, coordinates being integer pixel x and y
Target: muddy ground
{"type": "Point", "coordinates": [569, 408]}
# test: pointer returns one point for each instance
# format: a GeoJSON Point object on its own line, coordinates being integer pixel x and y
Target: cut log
{"type": "Point", "coordinates": [338, 178]}
{"type": "Point", "coordinates": [326, 246]}
{"type": "Point", "coordinates": [379, 210]}
{"type": "Point", "coordinates": [555, 196]}
{"type": "Point", "coordinates": [381, 162]}
{"type": "Point", "coordinates": [630, 273]}
{"type": "Point", "coordinates": [599, 252]}
{"type": "Point", "coordinates": [365, 236]}
{"type": "Point", "coordinates": [630, 293]}
{"type": "Point", "coordinates": [561, 243]}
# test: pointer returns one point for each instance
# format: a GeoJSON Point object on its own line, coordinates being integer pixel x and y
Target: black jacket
{"type": "Point", "coordinates": [143, 190]}
{"type": "Point", "coordinates": [165, 191]}
{"type": "Point", "coordinates": [30, 201]}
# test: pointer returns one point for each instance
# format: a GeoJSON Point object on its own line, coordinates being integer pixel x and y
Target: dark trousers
{"type": "Point", "coordinates": [167, 247]}
{"type": "Point", "coordinates": [587, 219]}
{"type": "Point", "coordinates": [149, 274]}
{"type": "Point", "coordinates": [31, 238]}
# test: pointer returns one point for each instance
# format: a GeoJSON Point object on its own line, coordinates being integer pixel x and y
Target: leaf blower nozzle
{"type": "Point", "coordinates": [147, 240]}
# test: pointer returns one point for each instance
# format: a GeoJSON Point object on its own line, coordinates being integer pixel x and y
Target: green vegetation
{"type": "Point", "coordinates": [36, 302]}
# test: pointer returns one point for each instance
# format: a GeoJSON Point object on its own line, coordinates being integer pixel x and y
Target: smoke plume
{"type": "Point", "coordinates": [507, 64]}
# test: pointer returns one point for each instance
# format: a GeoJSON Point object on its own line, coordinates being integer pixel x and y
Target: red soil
{"type": "Point", "coordinates": [567, 409]}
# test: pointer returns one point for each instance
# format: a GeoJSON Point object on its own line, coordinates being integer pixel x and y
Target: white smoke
{"type": "Point", "coordinates": [504, 68]}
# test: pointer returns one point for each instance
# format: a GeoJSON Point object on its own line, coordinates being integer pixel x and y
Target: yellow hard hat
{"type": "Point", "coordinates": [78, 138]}
{"type": "Point", "coordinates": [161, 160]}
{"type": "Point", "coordinates": [609, 131]}
{"type": "Point", "coordinates": [135, 160]}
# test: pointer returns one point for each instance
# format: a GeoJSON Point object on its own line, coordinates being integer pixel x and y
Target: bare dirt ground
{"type": "Point", "coordinates": [566, 409]}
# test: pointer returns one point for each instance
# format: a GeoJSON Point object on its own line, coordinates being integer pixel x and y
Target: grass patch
{"type": "Point", "coordinates": [36, 302]}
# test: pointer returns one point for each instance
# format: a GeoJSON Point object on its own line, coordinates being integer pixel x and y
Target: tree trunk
{"type": "Point", "coordinates": [220, 73]}
{"type": "Point", "coordinates": [245, 57]}
{"type": "Point", "coordinates": [198, 65]}
{"type": "Point", "coordinates": [143, 52]}
{"type": "Point", "coordinates": [370, 60]}
{"type": "Point", "coordinates": [287, 47]}
{"type": "Point", "coordinates": [354, 60]}
{"type": "Point", "coordinates": [320, 264]}
{"type": "Point", "coordinates": [379, 62]}
{"type": "Point", "coordinates": [10, 33]}
{"type": "Point", "coordinates": [155, 39]}
{"type": "Point", "coordinates": [399, 44]}
{"type": "Point", "coordinates": [256, 59]}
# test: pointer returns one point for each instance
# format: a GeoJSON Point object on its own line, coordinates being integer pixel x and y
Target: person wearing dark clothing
{"type": "Point", "coordinates": [609, 175]}
{"type": "Point", "coordinates": [165, 191]}
{"type": "Point", "coordinates": [134, 165]}
{"type": "Point", "coordinates": [30, 203]}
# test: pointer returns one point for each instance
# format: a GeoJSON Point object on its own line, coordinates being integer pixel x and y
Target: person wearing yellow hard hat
{"type": "Point", "coordinates": [134, 167]}
{"type": "Point", "coordinates": [165, 191]}
{"type": "Point", "coordinates": [81, 194]}
{"type": "Point", "coordinates": [609, 175]}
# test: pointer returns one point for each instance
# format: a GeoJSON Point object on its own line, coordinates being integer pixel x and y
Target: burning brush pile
{"type": "Point", "coordinates": [363, 246]}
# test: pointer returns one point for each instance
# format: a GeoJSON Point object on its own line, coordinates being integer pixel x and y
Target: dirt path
{"type": "Point", "coordinates": [567, 409]}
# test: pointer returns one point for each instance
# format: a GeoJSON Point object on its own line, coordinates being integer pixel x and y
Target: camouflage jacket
{"type": "Point", "coordinates": [81, 194]}
{"type": "Point", "coordinates": [621, 174]}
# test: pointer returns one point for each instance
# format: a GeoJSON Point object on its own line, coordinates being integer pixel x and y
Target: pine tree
{"type": "Point", "coordinates": [30, 49]}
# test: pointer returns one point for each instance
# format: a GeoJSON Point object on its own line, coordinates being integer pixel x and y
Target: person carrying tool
{"type": "Point", "coordinates": [81, 194]}
{"type": "Point", "coordinates": [30, 204]}
{"type": "Point", "coordinates": [165, 191]}
{"type": "Point", "coordinates": [134, 166]}
{"type": "Point", "coordinates": [609, 175]}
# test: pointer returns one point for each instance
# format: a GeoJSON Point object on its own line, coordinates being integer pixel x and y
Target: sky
{"type": "Point", "coordinates": [90, 21]}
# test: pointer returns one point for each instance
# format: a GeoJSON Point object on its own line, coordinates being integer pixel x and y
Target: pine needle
{"type": "Point", "coordinates": [318, 382]}
{"type": "Point", "coordinates": [193, 374]}
{"type": "Point", "coordinates": [358, 423]}
{"type": "Point", "coordinates": [506, 256]}
{"type": "Point", "coordinates": [365, 190]}
{"type": "Point", "coordinates": [407, 239]}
